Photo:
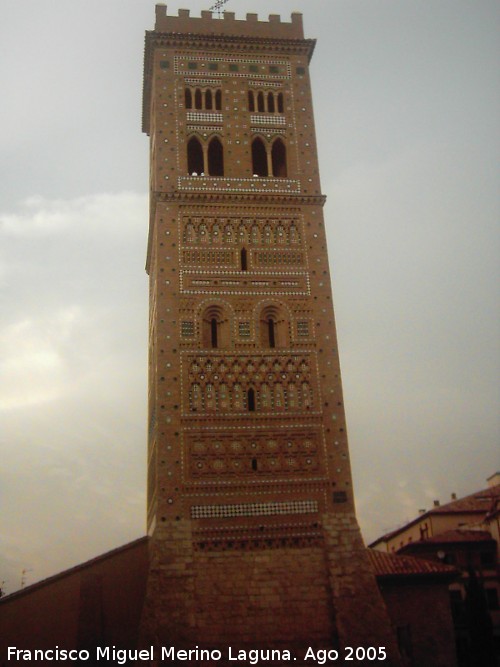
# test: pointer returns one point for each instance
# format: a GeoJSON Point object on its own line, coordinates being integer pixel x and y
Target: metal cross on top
{"type": "Point", "coordinates": [217, 7]}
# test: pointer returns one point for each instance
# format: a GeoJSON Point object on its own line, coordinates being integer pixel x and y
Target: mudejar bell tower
{"type": "Point", "coordinates": [254, 540]}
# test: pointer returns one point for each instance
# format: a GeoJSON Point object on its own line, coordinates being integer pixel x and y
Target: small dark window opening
{"type": "Point", "coordinates": [259, 158]}
{"type": "Point", "coordinates": [213, 333]}
{"type": "Point", "coordinates": [188, 99]}
{"type": "Point", "coordinates": [260, 101]}
{"type": "Point", "coordinates": [254, 464]}
{"type": "Point", "coordinates": [270, 102]}
{"type": "Point", "coordinates": [208, 100]}
{"type": "Point", "coordinates": [215, 158]}
{"type": "Point", "coordinates": [251, 400]}
{"type": "Point", "coordinates": [218, 100]}
{"type": "Point", "coordinates": [278, 157]}
{"type": "Point", "coordinates": [271, 328]}
{"type": "Point", "coordinates": [197, 99]}
{"type": "Point", "coordinates": [251, 101]}
{"type": "Point", "coordinates": [281, 106]}
{"type": "Point", "coordinates": [244, 265]}
{"type": "Point", "coordinates": [194, 156]}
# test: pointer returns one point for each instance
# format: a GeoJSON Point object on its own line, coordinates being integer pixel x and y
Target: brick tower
{"type": "Point", "coordinates": [254, 540]}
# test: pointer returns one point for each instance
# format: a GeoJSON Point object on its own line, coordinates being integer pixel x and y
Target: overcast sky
{"type": "Point", "coordinates": [407, 102]}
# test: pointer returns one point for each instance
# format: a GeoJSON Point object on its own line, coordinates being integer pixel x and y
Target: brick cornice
{"type": "Point", "coordinates": [232, 198]}
{"type": "Point", "coordinates": [232, 43]}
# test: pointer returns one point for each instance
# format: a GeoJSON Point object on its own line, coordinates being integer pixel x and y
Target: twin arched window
{"type": "Point", "coordinates": [205, 159]}
{"type": "Point", "coordinates": [208, 158]}
{"type": "Point", "coordinates": [267, 162]}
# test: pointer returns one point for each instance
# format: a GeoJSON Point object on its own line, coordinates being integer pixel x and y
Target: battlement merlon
{"type": "Point", "coordinates": [229, 25]}
{"type": "Point", "coordinates": [209, 33]}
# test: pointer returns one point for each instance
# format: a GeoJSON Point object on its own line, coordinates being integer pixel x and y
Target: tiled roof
{"type": "Point", "coordinates": [481, 503]}
{"type": "Point", "coordinates": [394, 565]}
{"type": "Point", "coordinates": [459, 535]}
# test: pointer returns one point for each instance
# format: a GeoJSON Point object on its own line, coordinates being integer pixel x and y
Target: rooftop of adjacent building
{"type": "Point", "coordinates": [482, 504]}
{"type": "Point", "coordinates": [384, 565]}
{"type": "Point", "coordinates": [393, 565]}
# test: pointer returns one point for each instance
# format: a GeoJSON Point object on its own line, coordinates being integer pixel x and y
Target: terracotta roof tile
{"type": "Point", "coordinates": [385, 564]}
{"type": "Point", "coordinates": [483, 503]}
{"type": "Point", "coordinates": [460, 535]}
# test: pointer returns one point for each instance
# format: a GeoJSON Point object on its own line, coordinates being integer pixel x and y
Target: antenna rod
{"type": "Point", "coordinates": [217, 7]}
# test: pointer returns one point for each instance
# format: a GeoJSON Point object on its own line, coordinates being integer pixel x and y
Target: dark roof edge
{"type": "Point", "coordinates": [73, 570]}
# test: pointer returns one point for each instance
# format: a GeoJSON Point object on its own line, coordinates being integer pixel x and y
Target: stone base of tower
{"type": "Point", "coordinates": [291, 598]}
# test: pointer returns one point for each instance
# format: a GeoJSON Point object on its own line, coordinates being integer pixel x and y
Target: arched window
{"type": "Point", "coordinates": [197, 99]}
{"type": "Point", "coordinates": [270, 102]}
{"type": "Point", "coordinates": [243, 257]}
{"type": "Point", "coordinates": [214, 338]}
{"type": "Point", "coordinates": [251, 101]}
{"type": "Point", "coordinates": [215, 158]}
{"type": "Point", "coordinates": [218, 100]}
{"type": "Point", "coordinates": [194, 157]}
{"type": "Point", "coordinates": [208, 99]}
{"type": "Point", "coordinates": [188, 99]}
{"type": "Point", "coordinates": [273, 327]}
{"type": "Point", "coordinates": [278, 158]}
{"type": "Point", "coordinates": [260, 101]}
{"type": "Point", "coordinates": [251, 400]}
{"type": "Point", "coordinates": [259, 158]}
{"type": "Point", "coordinates": [271, 331]}
{"type": "Point", "coordinates": [281, 104]}
{"type": "Point", "coordinates": [214, 328]}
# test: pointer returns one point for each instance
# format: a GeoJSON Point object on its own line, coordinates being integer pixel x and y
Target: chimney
{"type": "Point", "coordinates": [436, 503]}
{"type": "Point", "coordinates": [453, 496]}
